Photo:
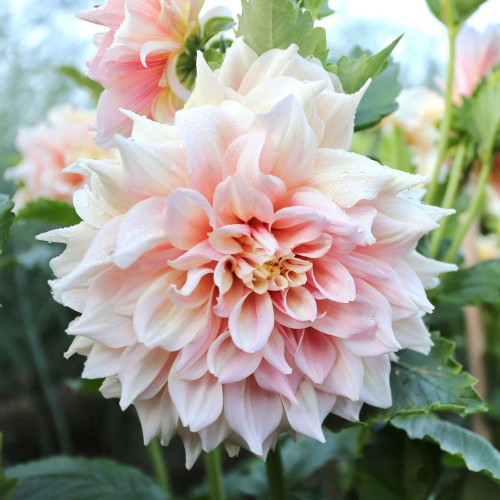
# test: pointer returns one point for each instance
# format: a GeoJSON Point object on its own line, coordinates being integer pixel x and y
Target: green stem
{"type": "Point", "coordinates": [449, 196]}
{"type": "Point", "coordinates": [41, 366]}
{"type": "Point", "coordinates": [274, 469]}
{"type": "Point", "coordinates": [448, 105]}
{"type": "Point", "coordinates": [473, 209]}
{"type": "Point", "coordinates": [159, 465]}
{"type": "Point", "coordinates": [213, 467]}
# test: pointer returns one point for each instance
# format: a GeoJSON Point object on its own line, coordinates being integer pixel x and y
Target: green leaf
{"type": "Point", "coordinates": [461, 9]}
{"type": "Point", "coordinates": [481, 114]}
{"type": "Point", "coordinates": [7, 485]}
{"type": "Point", "coordinates": [423, 384]}
{"type": "Point", "coordinates": [477, 453]}
{"type": "Point", "coordinates": [353, 74]}
{"type": "Point", "coordinates": [392, 467]}
{"type": "Point", "coordinates": [475, 285]}
{"type": "Point", "coordinates": [6, 219]}
{"type": "Point", "coordinates": [319, 8]}
{"type": "Point", "coordinates": [82, 80]}
{"type": "Point", "coordinates": [216, 25]}
{"type": "Point", "coordinates": [55, 211]}
{"type": "Point", "coordinates": [379, 99]}
{"type": "Point", "coordinates": [276, 24]}
{"type": "Point", "coordinates": [394, 151]}
{"type": "Point", "coordinates": [66, 478]}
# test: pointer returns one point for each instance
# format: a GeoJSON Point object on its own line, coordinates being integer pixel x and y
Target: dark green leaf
{"type": "Point", "coordinates": [6, 219]}
{"type": "Point", "coordinates": [461, 9]}
{"type": "Point", "coordinates": [355, 73]}
{"type": "Point", "coordinates": [423, 384]}
{"type": "Point", "coordinates": [393, 468]}
{"type": "Point", "coordinates": [55, 211]}
{"type": "Point", "coordinates": [477, 454]}
{"type": "Point", "coordinates": [379, 99]}
{"type": "Point", "coordinates": [83, 81]}
{"type": "Point", "coordinates": [394, 150]}
{"type": "Point", "coordinates": [276, 24]}
{"type": "Point", "coordinates": [475, 285]}
{"type": "Point", "coordinates": [215, 25]}
{"type": "Point", "coordinates": [66, 478]}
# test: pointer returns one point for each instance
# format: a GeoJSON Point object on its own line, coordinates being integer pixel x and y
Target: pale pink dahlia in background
{"type": "Point", "coordinates": [137, 58]}
{"type": "Point", "coordinates": [477, 54]}
{"type": "Point", "coordinates": [239, 273]}
{"type": "Point", "coordinates": [418, 115]}
{"type": "Point", "coordinates": [48, 148]}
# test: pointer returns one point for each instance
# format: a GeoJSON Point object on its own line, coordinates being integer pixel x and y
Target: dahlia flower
{"type": "Point", "coordinates": [48, 148]}
{"type": "Point", "coordinates": [418, 114]}
{"type": "Point", "coordinates": [137, 59]}
{"type": "Point", "coordinates": [477, 53]}
{"type": "Point", "coordinates": [240, 273]}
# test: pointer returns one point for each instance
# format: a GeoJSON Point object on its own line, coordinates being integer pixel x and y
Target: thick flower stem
{"type": "Point", "coordinates": [448, 105]}
{"type": "Point", "coordinates": [473, 209]}
{"type": "Point", "coordinates": [275, 479]}
{"type": "Point", "coordinates": [449, 197]}
{"type": "Point", "coordinates": [213, 467]}
{"type": "Point", "coordinates": [159, 465]}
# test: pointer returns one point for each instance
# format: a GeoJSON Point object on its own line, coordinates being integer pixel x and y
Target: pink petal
{"type": "Point", "coordinates": [199, 403]}
{"type": "Point", "coordinates": [274, 352]}
{"type": "Point", "coordinates": [158, 417]}
{"type": "Point", "coordinates": [332, 280]}
{"type": "Point", "coordinates": [290, 142]}
{"type": "Point", "coordinates": [293, 226]}
{"type": "Point", "coordinates": [159, 323]}
{"type": "Point", "coordinates": [348, 178]}
{"type": "Point", "coordinates": [376, 389]}
{"type": "Point", "coordinates": [227, 302]}
{"type": "Point", "coordinates": [133, 91]}
{"type": "Point", "coordinates": [228, 363]}
{"type": "Point", "coordinates": [345, 320]}
{"type": "Point", "coordinates": [299, 304]}
{"type": "Point", "coordinates": [315, 356]}
{"type": "Point", "coordinates": [225, 239]}
{"type": "Point", "coordinates": [273, 380]}
{"type": "Point", "coordinates": [206, 132]}
{"type": "Point", "coordinates": [307, 416]}
{"type": "Point", "coordinates": [252, 412]}
{"type": "Point", "coordinates": [200, 254]}
{"type": "Point", "coordinates": [188, 218]}
{"type": "Point", "coordinates": [236, 201]}
{"type": "Point", "coordinates": [142, 229]}
{"type": "Point", "coordinates": [251, 322]}
{"type": "Point", "coordinates": [191, 361]}
{"type": "Point", "coordinates": [196, 290]}
{"type": "Point", "coordinates": [140, 366]}
{"type": "Point", "coordinates": [346, 376]}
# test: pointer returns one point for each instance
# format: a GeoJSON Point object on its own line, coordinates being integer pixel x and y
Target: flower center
{"type": "Point", "coordinates": [278, 273]}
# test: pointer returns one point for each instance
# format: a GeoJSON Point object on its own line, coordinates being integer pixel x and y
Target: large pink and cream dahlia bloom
{"type": "Point", "coordinates": [240, 273]}
{"type": "Point", "coordinates": [477, 54]}
{"type": "Point", "coordinates": [48, 148]}
{"type": "Point", "coordinates": [137, 58]}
